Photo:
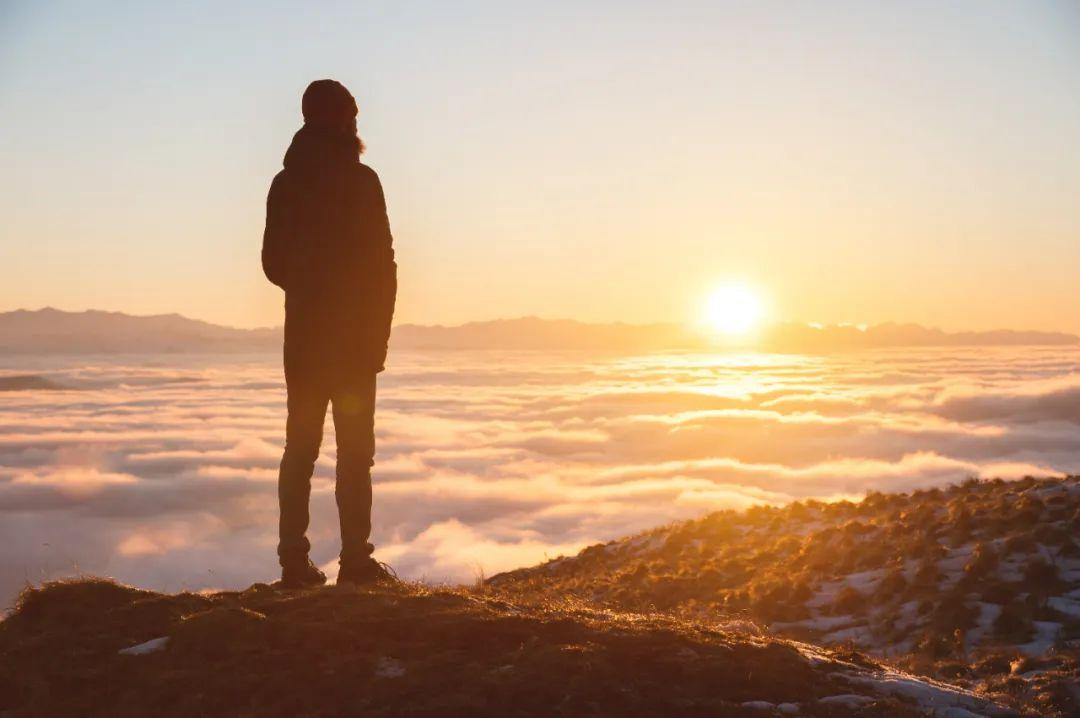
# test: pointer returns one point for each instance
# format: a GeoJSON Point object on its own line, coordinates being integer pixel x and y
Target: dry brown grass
{"type": "Point", "coordinates": [331, 652]}
{"type": "Point", "coordinates": [993, 535]}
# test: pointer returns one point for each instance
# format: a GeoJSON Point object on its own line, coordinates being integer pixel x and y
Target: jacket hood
{"type": "Point", "coordinates": [315, 148]}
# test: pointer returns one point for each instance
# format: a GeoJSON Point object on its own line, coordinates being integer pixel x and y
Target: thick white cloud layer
{"type": "Point", "coordinates": [163, 472]}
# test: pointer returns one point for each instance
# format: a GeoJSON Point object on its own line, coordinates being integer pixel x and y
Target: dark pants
{"type": "Point", "coordinates": [353, 400]}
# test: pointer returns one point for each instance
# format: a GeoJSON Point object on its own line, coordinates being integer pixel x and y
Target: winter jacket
{"type": "Point", "coordinates": [328, 245]}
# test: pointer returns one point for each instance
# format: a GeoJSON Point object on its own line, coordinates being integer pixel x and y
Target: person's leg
{"type": "Point", "coordinates": [303, 435]}
{"type": "Point", "coordinates": [354, 424]}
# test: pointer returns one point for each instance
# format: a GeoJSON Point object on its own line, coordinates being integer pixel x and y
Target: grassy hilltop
{"type": "Point", "coordinates": [92, 647]}
{"type": "Point", "coordinates": [977, 584]}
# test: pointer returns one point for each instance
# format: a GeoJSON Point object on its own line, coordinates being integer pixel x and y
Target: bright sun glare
{"type": "Point", "coordinates": [734, 309]}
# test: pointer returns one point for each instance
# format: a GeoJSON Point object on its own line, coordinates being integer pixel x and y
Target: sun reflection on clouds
{"type": "Point", "coordinates": [73, 481]}
{"type": "Point", "coordinates": [165, 474]}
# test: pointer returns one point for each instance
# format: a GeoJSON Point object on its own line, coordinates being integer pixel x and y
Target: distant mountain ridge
{"type": "Point", "coordinates": [53, 331]}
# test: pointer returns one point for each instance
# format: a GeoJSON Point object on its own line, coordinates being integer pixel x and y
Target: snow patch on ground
{"type": "Point", "coordinates": [865, 581]}
{"type": "Point", "coordinates": [646, 543]}
{"type": "Point", "coordinates": [894, 649]}
{"type": "Point", "coordinates": [1066, 605]}
{"type": "Point", "coordinates": [847, 700]}
{"type": "Point", "coordinates": [988, 613]}
{"type": "Point", "coordinates": [1046, 634]}
{"type": "Point", "coordinates": [958, 713]}
{"type": "Point", "coordinates": [1070, 569]}
{"type": "Point", "coordinates": [907, 613]}
{"type": "Point", "coordinates": [952, 566]}
{"type": "Point", "coordinates": [555, 563]}
{"type": "Point", "coordinates": [1011, 567]}
{"type": "Point", "coordinates": [956, 558]}
{"type": "Point", "coordinates": [152, 646]}
{"type": "Point", "coordinates": [758, 705]}
{"type": "Point", "coordinates": [387, 667]}
{"type": "Point", "coordinates": [826, 594]}
{"type": "Point", "coordinates": [817, 623]}
{"type": "Point", "coordinates": [927, 694]}
{"type": "Point", "coordinates": [859, 635]}
{"type": "Point", "coordinates": [813, 654]}
{"type": "Point", "coordinates": [740, 625]}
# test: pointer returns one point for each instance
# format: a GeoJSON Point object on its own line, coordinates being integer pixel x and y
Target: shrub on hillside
{"type": "Point", "coordinates": [960, 525]}
{"type": "Point", "coordinates": [954, 613]}
{"type": "Point", "coordinates": [1073, 523]}
{"type": "Point", "coordinates": [736, 601]}
{"type": "Point", "coordinates": [928, 576]}
{"type": "Point", "coordinates": [984, 559]}
{"type": "Point", "coordinates": [952, 669]}
{"type": "Point", "coordinates": [736, 571]}
{"type": "Point", "coordinates": [873, 553]}
{"type": "Point", "coordinates": [1069, 549]}
{"type": "Point", "coordinates": [1019, 543]}
{"type": "Point", "coordinates": [798, 511]}
{"type": "Point", "coordinates": [1042, 578]}
{"type": "Point", "coordinates": [995, 662]}
{"type": "Point", "coordinates": [787, 546]}
{"type": "Point", "coordinates": [1014, 624]}
{"type": "Point", "coordinates": [893, 585]}
{"type": "Point", "coordinates": [999, 592]}
{"type": "Point", "coordinates": [934, 645]}
{"type": "Point", "coordinates": [848, 601]}
{"type": "Point", "coordinates": [775, 604]}
{"type": "Point", "coordinates": [1051, 535]}
{"type": "Point", "coordinates": [929, 549]}
{"type": "Point", "coordinates": [1028, 511]}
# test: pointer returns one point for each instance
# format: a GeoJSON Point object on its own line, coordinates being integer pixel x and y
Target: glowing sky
{"type": "Point", "coordinates": [854, 161]}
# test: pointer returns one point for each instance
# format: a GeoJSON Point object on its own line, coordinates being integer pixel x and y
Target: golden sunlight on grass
{"type": "Point", "coordinates": [734, 309]}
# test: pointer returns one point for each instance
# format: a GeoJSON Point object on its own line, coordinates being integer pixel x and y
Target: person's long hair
{"type": "Point", "coordinates": [356, 137]}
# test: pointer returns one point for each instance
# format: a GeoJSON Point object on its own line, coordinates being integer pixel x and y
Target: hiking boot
{"type": "Point", "coordinates": [367, 572]}
{"type": "Point", "coordinates": [301, 575]}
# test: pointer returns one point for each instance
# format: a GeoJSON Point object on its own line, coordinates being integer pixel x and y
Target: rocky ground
{"type": "Point", "coordinates": [977, 584]}
{"type": "Point", "coordinates": [96, 648]}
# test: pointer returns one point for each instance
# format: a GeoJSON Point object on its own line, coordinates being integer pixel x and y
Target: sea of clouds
{"type": "Point", "coordinates": [162, 471]}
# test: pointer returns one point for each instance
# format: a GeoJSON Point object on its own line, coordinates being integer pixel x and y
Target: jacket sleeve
{"type": "Point", "coordinates": [277, 235]}
{"type": "Point", "coordinates": [386, 294]}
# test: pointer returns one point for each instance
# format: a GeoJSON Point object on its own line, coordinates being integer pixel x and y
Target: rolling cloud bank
{"type": "Point", "coordinates": [161, 470]}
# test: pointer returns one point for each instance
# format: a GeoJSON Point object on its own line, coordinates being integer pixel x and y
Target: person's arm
{"type": "Point", "coordinates": [386, 272]}
{"type": "Point", "coordinates": [276, 236]}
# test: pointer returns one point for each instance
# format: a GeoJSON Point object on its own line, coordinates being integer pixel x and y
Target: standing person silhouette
{"type": "Point", "coordinates": [328, 245]}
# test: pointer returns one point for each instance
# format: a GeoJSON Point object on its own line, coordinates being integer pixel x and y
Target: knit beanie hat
{"type": "Point", "coordinates": [327, 102]}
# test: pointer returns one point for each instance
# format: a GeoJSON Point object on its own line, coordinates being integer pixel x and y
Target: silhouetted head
{"type": "Point", "coordinates": [328, 103]}
{"type": "Point", "coordinates": [329, 107]}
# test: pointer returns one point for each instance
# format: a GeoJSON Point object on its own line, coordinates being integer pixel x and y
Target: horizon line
{"type": "Point", "coordinates": [692, 326]}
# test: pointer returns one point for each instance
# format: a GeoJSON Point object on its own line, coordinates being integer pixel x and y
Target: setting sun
{"type": "Point", "coordinates": [734, 309]}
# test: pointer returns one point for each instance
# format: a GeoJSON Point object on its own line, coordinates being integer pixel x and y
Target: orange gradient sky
{"type": "Point", "coordinates": [854, 162]}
